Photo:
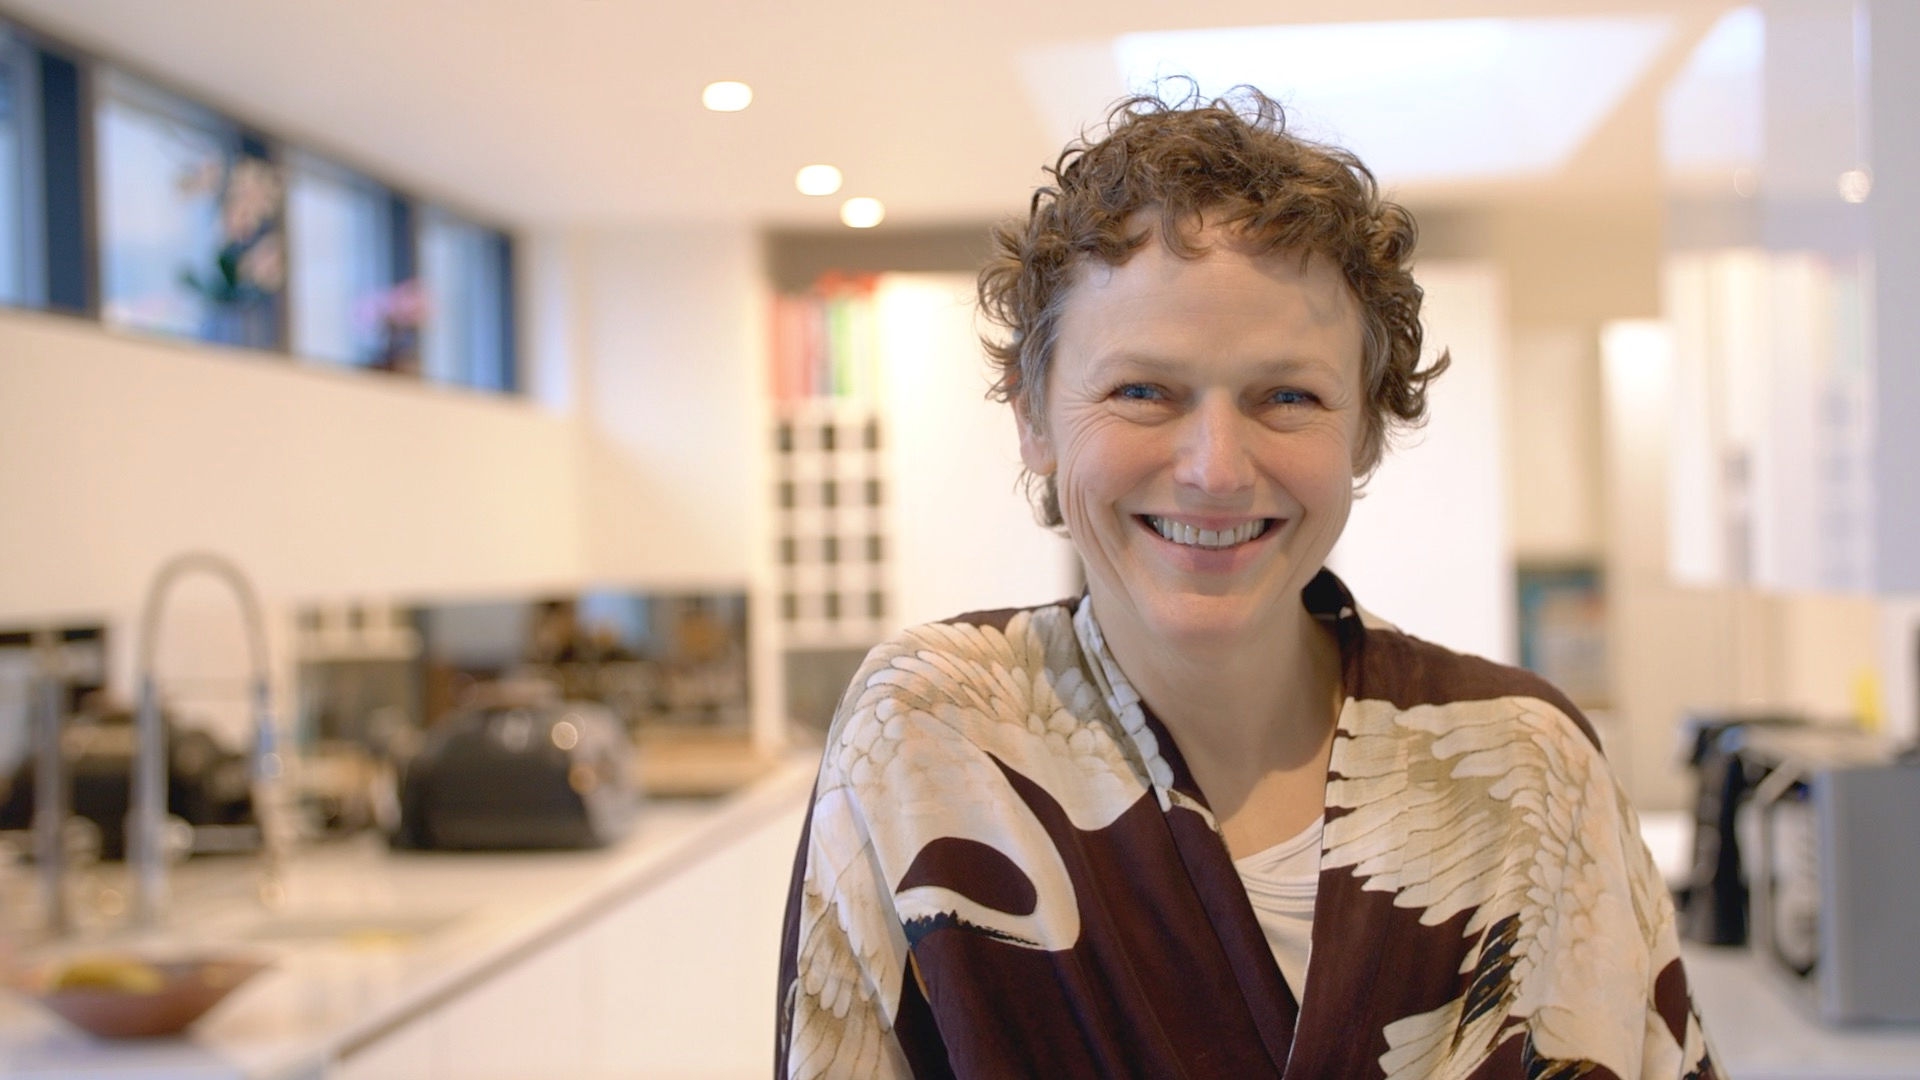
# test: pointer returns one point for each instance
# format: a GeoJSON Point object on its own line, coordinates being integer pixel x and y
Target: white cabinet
{"type": "Point", "coordinates": [676, 980]}
{"type": "Point", "coordinates": [685, 974]}
{"type": "Point", "coordinates": [1772, 437]}
{"type": "Point", "coordinates": [1790, 274]}
{"type": "Point", "coordinates": [532, 1020]}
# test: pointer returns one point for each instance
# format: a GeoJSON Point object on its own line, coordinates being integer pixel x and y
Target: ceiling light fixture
{"type": "Point", "coordinates": [1420, 101]}
{"type": "Point", "coordinates": [1855, 185]}
{"type": "Point", "coordinates": [862, 212]}
{"type": "Point", "coordinates": [817, 180]}
{"type": "Point", "coordinates": [726, 96]}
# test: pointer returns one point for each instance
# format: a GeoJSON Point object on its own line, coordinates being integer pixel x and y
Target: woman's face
{"type": "Point", "coordinates": [1202, 420]}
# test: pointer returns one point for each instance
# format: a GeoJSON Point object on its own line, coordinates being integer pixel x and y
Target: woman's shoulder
{"type": "Point", "coordinates": [968, 657]}
{"type": "Point", "coordinates": [974, 631]}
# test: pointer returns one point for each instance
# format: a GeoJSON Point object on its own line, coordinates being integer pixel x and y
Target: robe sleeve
{"type": "Point", "coordinates": [1676, 1045]}
{"type": "Point", "coordinates": [843, 955]}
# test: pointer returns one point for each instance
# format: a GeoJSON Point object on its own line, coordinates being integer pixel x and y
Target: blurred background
{"type": "Point", "coordinates": [626, 351]}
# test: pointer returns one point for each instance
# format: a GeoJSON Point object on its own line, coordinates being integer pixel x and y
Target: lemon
{"type": "Point", "coordinates": [125, 974]}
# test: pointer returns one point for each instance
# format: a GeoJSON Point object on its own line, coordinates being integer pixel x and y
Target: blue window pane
{"type": "Point", "coordinates": [189, 224]}
{"type": "Point", "coordinates": [345, 305]}
{"type": "Point", "coordinates": [22, 230]}
{"type": "Point", "coordinates": [464, 270]}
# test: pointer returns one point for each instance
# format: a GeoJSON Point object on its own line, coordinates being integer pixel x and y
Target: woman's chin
{"type": "Point", "coordinates": [1199, 623]}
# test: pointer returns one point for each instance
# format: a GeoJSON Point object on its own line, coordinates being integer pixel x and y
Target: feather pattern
{"type": "Point", "coordinates": [935, 715]}
{"type": "Point", "coordinates": [1540, 879]}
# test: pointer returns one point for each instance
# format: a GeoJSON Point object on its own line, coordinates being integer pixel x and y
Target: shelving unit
{"type": "Point", "coordinates": [833, 548]}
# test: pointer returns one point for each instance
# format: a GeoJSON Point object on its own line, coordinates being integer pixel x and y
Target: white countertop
{"type": "Point", "coordinates": [1761, 1030]}
{"type": "Point", "coordinates": [371, 939]}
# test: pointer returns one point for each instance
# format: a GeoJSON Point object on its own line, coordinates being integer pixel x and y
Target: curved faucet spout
{"type": "Point", "coordinates": [226, 570]}
{"type": "Point", "coordinates": [146, 816]}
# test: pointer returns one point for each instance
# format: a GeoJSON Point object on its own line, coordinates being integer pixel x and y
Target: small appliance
{"type": "Point", "coordinates": [1835, 881]}
{"type": "Point", "coordinates": [519, 775]}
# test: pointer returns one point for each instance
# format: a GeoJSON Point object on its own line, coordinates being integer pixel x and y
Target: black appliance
{"type": "Point", "coordinates": [1713, 903]}
{"type": "Point", "coordinates": [519, 776]}
{"type": "Point", "coordinates": [207, 784]}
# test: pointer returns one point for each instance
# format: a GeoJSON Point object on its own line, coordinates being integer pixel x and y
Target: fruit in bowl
{"type": "Point", "coordinates": [128, 997]}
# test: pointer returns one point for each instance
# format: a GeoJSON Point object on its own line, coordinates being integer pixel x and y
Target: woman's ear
{"type": "Point", "coordinates": [1036, 450]}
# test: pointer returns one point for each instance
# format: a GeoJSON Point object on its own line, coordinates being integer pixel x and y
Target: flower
{"type": "Point", "coordinates": [249, 266]}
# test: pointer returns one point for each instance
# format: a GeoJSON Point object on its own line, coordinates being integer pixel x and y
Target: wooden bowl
{"type": "Point", "coordinates": [188, 987]}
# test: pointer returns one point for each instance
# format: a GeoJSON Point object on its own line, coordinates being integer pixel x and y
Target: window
{"type": "Point", "coordinates": [467, 275]}
{"type": "Point", "coordinates": [122, 201]}
{"type": "Point", "coordinates": [22, 220]}
{"type": "Point", "coordinates": [348, 242]}
{"type": "Point", "coordinates": [189, 218]}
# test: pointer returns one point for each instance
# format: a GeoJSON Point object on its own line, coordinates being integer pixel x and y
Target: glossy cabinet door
{"type": "Point", "coordinates": [676, 980]}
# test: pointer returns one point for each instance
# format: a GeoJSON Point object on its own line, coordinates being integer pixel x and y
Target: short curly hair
{"type": "Point", "coordinates": [1232, 160]}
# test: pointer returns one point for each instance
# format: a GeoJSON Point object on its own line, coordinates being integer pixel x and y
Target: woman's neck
{"type": "Point", "coordinates": [1242, 711]}
{"type": "Point", "coordinates": [1257, 694]}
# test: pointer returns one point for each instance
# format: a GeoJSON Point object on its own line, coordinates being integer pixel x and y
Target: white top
{"type": "Point", "coordinates": [1282, 882]}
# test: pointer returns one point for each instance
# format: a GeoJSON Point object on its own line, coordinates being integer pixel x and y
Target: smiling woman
{"type": "Point", "coordinates": [1211, 818]}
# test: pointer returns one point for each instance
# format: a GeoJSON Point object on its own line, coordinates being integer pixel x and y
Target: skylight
{"type": "Point", "coordinates": [1710, 116]}
{"type": "Point", "coordinates": [1438, 100]}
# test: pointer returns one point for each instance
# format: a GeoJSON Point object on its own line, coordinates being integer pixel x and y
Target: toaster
{"type": "Point", "coordinates": [1836, 883]}
{"type": "Point", "coordinates": [519, 776]}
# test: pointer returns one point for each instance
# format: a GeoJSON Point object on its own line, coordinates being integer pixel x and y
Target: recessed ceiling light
{"type": "Point", "coordinates": [727, 96]}
{"type": "Point", "coordinates": [817, 180]}
{"type": "Point", "coordinates": [862, 212]}
{"type": "Point", "coordinates": [1856, 185]}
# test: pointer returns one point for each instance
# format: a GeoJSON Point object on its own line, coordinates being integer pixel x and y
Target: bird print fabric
{"type": "Point", "coordinates": [1007, 871]}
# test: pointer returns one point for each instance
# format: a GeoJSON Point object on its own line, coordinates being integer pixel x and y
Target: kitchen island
{"type": "Point", "coordinates": [651, 957]}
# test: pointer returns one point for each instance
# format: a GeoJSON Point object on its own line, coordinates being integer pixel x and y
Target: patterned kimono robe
{"type": "Point", "coordinates": [1008, 871]}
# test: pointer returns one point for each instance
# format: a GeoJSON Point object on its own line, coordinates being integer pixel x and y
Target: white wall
{"type": "Point", "coordinates": [1552, 407]}
{"type": "Point", "coordinates": [1428, 548]}
{"type": "Point", "coordinates": [676, 485]}
{"type": "Point", "coordinates": [965, 538]}
{"type": "Point", "coordinates": [119, 452]}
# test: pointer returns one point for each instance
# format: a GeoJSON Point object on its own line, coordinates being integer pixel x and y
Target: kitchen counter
{"type": "Point", "coordinates": [371, 940]}
{"type": "Point", "coordinates": [1760, 1031]}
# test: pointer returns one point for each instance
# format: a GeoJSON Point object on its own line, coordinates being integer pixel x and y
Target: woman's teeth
{"type": "Point", "coordinates": [1207, 538]}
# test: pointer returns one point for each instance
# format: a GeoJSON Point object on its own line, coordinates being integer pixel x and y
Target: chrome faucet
{"type": "Point", "coordinates": [147, 805]}
{"type": "Point", "coordinates": [49, 786]}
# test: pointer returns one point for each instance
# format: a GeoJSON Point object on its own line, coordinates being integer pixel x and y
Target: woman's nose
{"type": "Point", "coordinates": [1215, 455]}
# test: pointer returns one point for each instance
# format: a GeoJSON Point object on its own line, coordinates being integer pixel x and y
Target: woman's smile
{"type": "Point", "coordinates": [1187, 534]}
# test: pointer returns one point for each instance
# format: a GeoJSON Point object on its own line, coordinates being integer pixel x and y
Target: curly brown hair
{"type": "Point", "coordinates": [1232, 160]}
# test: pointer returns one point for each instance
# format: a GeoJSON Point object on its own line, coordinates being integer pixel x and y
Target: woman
{"type": "Point", "coordinates": [1211, 819]}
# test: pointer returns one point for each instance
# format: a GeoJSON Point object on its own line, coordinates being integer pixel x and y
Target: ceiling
{"type": "Point", "coordinates": [587, 112]}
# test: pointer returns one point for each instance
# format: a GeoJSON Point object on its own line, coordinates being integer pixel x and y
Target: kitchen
{"type": "Point", "coordinates": [636, 454]}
